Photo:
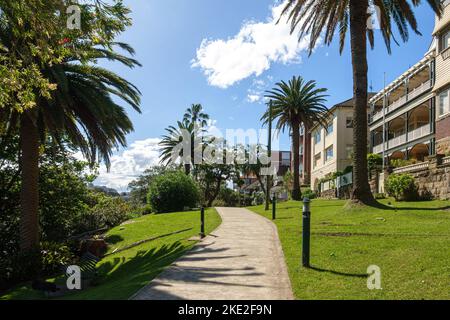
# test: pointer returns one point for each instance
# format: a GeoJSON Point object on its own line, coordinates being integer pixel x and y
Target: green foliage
{"type": "Point", "coordinates": [258, 198]}
{"type": "Point", "coordinates": [398, 163]}
{"type": "Point", "coordinates": [173, 191]}
{"type": "Point", "coordinates": [402, 187]}
{"type": "Point", "coordinates": [107, 212]}
{"type": "Point", "coordinates": [139, 187]}
{"type": "Point", "coordinates": [54, 255]}
{"type": "Point", "coordinates": [374, 161]}
{"type": "Point", "coordinates": [227, 198]}
{"type": "Point", "coordinates": [310, 194]}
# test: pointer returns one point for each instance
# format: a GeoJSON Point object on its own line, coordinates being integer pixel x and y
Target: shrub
{"type": "Point", "coordinates": [374, 161]}
{"type": "Point", "coordinates": [398, 163]}
{"type": "Point", "coordinates": [379, 196]}
{"type": "Point", "coordinates": [173, 191]}
{"type": "Point", "coordinates": [402, 187]}
{"type": "Point", "coordinates": [54, 255]}
{"type": "Point", "coordinates": [258, 198]}
{"type": "Point", "coordinates": [228, 197]}
{"type": "Point", "coordinates": [107, 212]}
{"type": "Point", "coordinates": [308, 193]}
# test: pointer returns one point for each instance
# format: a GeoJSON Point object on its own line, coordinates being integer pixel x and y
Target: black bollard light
{"type": "Point", "coordinates": [274, 207]}
{"type": "Point", "coordinates": [202, 225]}
{"type": "Point", "coordinates": [306, 232]}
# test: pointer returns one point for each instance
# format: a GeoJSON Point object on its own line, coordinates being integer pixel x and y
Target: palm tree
{"type": "Point", "coordinates": [321, 18]}
{"type": "Point", "coordinates": [191, 128]}
{"type": "Point", "coordinates": [195, 114]}
{"type": "Point", "coordinates": [172, 145]}
{"type": "Point", "coordinates": [294, 103]}
{"type": "Point", "coordinates": [81, 110]}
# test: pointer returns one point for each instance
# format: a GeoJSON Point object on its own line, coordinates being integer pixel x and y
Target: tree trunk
{"type": "Point", "coordinates": [296, 193]}
{"type": "Point", "coordinates": [358, 28]}
{"type": "Point", "coordinates": [29, 195]}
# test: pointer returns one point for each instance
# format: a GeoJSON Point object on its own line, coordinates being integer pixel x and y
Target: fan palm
{"type": "Point", "coordinates": [294, 103]}
{"type": "Point", "coordinates": [195, 114]}
{"type": "Point", "coordinates": [173, 146]}
{"type": "Point", "coordinates": [81, 110]}
{"type": "Point", "coordinates": [322, 18]}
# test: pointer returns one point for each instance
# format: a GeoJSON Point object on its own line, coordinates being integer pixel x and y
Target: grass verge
{"type": "Point", "coordinates": [124, 273]}
{"type": "Point", "coordinates": [409, 242]}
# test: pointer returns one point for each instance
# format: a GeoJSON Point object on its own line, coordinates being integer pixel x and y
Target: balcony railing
{"type": "Point", "coordinates": [419, 132]}
{"type": "Point", "coordinates": [404, 99]}
{"type": "Point", "coordinates": [379, 148]}
{"type": "Point", "coordinates": [413, 167]}
{"type": "Point", "coordinates": [397, 141]}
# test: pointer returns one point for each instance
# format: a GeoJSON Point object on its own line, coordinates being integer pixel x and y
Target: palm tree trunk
{"type": "Point", "coordinates": [358, 27]}
{"type": "Point", "coordinates": [296, 193]}
{"type": "Point", "coordinates": [29, 195]}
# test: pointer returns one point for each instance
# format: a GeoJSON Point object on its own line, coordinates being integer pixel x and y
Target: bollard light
{"type": "Point", "coordinates": [306, 232]}
{"type": "Point", "coordinates": [274, 207]}
{"type": "Point", "coordinates": [202, 223]}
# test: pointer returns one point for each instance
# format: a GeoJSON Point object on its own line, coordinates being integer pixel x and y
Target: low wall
{"type": "Point", "coordinates": [433, 181]}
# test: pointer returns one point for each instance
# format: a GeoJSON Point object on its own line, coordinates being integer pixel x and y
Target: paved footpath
{"type": "Point", "coordinates": [241, 260]}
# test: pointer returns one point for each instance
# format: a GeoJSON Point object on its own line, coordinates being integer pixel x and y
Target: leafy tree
{"type": "Point", "coordinates": [294, 103]}
{"type": "Point", "coordinates": [139, 187]}
{"type": "Point", "coordinates": [173, 191]}
{"type": "Point", "coordinates": [78, 103]}
{"type": "Point", "coordinates": [322, 18]}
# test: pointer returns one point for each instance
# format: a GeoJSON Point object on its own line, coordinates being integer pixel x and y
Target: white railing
{"type": "Point", "coordinates": [397, 104]}
{"type": "Point", "coordinates": [397, 141]}
{"type": "Point", "coordinates": [419, 132]}
{"type": "Point", "coordinates": [413, 167]}
{"type": "Point", "coordinates": [419, 90]}
{"type": "Point", "coordinates": [377, 116]}
{"type": "Point", "coordinates": [446, 160]}
{"type": "Point", "coordinates": [379, 148]}
{"type": "Point", "coordinates": [404, 99]}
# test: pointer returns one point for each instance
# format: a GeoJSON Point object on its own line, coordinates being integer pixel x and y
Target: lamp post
{"type": "Point", "coordinates": [306, 232]}
{"type": "Point", "coordinates": [269, 155]}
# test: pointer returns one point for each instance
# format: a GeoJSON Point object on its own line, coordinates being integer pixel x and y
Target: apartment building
{"type": "Point", "coordinates": [441, 87]}
{"type": "Point", "coordinates": [410, 117]}
{"type": "Point", "coordinates": [332, 147]}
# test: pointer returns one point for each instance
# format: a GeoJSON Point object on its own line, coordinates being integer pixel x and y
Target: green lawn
{"type": "Point", "coordinates": [124, 273]}
{"type": "Point", "coordinates": [410, 244]}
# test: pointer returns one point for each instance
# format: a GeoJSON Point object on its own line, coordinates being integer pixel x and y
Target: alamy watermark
{"type": "Point", "coordinates": [74, 17]}
{"type": "Point", "coordinates": [374, 278]}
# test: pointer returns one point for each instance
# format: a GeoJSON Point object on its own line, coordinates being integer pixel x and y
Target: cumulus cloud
{"type": "Point", "coordinates": [250, 52]}
{"type": "Point", "coordinates": [129, 164]}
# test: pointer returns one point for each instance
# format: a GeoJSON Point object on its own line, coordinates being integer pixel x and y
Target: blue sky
{"type": "Point", "coordinates": [224, 54]}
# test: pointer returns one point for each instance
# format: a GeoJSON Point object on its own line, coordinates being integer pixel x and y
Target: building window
{"type": "Point", "coordinates": [329, 153]}
{"type": "Point", "coordinates": [317, 159]}
{"type": "Point", "coordinates": [349, 151]}
{"type": "Point", "coordinates": [330, 128]}
{"type": "Point", "coordinates": [444, 106]}
{"type": "Point", "coordinates": [317, 137]}
{"type": "Point", "coordinates": [445, 40]}
{"type": "Point", "coordinates": [349, 123]}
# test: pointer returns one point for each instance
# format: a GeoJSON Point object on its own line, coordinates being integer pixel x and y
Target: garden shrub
{"type": "Point", "coordinates": [228, 197]}
{"type": "Point", "coordinates": [308, 193]}
{"type": "Point", "coordinates": [107, 212]}
{"type": "Point", "coordinates": [173, 191]}
{"type": "Point", "coordinates": [258, 198]}
{"type": "Point", "coordinates": [402, 187]}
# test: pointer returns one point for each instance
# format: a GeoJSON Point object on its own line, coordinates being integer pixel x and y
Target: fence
{"type": "Point", "coordinates": [339, 182]}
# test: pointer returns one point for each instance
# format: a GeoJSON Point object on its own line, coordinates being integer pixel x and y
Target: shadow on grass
{"type": "Point", "coordinates": [339, 273]}
{"type": "Point", "coordinates": [381, 206]}
{"type": "Point", "coordinates": [113, 239]}
{"type": "Point", "coordinates": [121, 277]}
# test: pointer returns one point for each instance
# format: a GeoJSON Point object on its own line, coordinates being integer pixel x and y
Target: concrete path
{"type": "Point", "coordinates": [241, 260]}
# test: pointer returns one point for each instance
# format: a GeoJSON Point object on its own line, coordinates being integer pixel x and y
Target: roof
{"type": "Point", "coordinates": [350, 103]}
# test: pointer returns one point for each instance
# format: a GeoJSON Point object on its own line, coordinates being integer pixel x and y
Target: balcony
{"type": "Point", "coordinates": [404, 99]}
{"type": "Point", "coordinates": [397, 141]}
{"type": "Point", "coordinates": [419, 133]}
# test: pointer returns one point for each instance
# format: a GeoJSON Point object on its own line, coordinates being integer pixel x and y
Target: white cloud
{"type": "Point", "coordinates": [250, 52]}
{"type": "Point", "coordinates": [254, 98]}
{"type": "Point", "coordinates": [129, 164]}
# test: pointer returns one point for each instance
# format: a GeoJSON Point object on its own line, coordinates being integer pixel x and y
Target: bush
{"type": "Point", "coordinates": [228, 197]}
{"type": "Point", "coordinates": [173, 191]}
{"type": "Point", "coordinates": [402, 187]}
{"type": "Point", "coordinates": [379, 196]}
{"type": "Point", "coordinates": [258, 198]}
{"type": "Point", "coordinates": [308, 193]}
{"type": "Point", "coordinates": [107, 212]}
{"type": "Point", "coordinates": [55, 255]}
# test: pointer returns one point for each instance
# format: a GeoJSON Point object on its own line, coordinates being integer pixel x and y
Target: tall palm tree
{"type": "Point", "coordinates": [294, 103]}
{"type": "Point", "coordinates": [172, 144]}
{"type": "Point", "coordinates": [81, 110]}
{"type": "Point", "coordinates": [191, 128]}
{"type": "Point", "coordinates": [321, 18]}
{"type": "Point", "coordinates": [195, 114]}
